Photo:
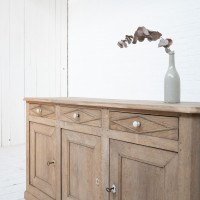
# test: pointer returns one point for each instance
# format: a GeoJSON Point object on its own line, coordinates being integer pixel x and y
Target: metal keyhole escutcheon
{"type": "Point", "coordinates": [112, 189]}
{"type": "Point", "coordinates": [51, 163]}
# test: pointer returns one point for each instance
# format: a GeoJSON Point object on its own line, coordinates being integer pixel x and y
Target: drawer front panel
{"type": "Point", "coordinates": [91, 117]}
{"type": "Point", "coordinates": [150, 125]}
{"type": "Point", "coordinates": [46, 111]}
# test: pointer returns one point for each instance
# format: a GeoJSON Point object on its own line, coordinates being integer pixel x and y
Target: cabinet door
{"type": "Point", "coordinates": [43, 158]}
{"type": "Point", "coordinates": [80, 166]}
{"type": "Point", "coordinates": [142, 173]}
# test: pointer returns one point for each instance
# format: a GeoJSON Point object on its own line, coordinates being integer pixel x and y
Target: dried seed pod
{"type": "Point", "coordinates": [165, 43]}
{"type": "Point", "coordinates": [120, 44]}
{"type": "Point", "coordinates": [124, 43]}
{"type": "Point", "coordinates": [135, 39]}
{"type": "Point", "coordinates": [169, 42]}
{"type": "Point", "coordinates": [162, 43]}
{"type": "Point", "coordinates": [141, 38]}
{"type": "Point", "coordinates": [149, 38]}
{"type": "Point", "coordinates": [139, 32]}
{"type": "Point", "coordinates": [155, 35]}
{"type": "Point", "coordinates": [145, 31]}
{"type": "Point", "coordinates": [129, 38]}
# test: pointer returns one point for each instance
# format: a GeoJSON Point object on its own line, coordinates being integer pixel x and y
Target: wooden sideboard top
{"type": "Point", "coordinates": [183, 107]}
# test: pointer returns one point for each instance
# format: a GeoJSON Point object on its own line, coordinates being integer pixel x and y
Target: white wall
{"type": "Point", "coordinates": [99, 68]}
{"type": "Point", "coordinates": [33, 59]}
{"type": "Point", "coordinates": [12, 71]}
{"type": "Point", "coordinates": [33, 52]}
{"type": "Point", "coordinates": [46, 48]}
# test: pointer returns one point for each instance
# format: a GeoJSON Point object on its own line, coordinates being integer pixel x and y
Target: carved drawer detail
{"type": "Point", "coordinates": [91, 117]}
{"type": "Point", "coordinates": [46, 111]}
{"type": "Point", "coordinates": [150, 125]}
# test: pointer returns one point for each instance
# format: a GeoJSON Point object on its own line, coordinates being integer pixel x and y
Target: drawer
{"type": "Point", "coordinates": [41, 110]}
{"type": "Point", "coordinates": [150, 125]}
{"type": "Point", "coordinates": [80, 115]}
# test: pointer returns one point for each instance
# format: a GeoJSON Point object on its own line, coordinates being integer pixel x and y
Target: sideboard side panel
{"type": "Point", "coordinates": [189, 158]}
{"type": "Point", "coordinates": [27, 145]}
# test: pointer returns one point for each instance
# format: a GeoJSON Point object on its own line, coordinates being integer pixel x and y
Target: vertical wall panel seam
{"type": "Point", "coordinates": [55, 52]}
{"type": "Point", "coordinates": [36, 75]}
{"type": "Point", "coordinates": [60, 42]}
{"type": "Point", "coordinates": [60, 49]}
{"type": "Point", "coordinates": [24, 68]}
{"type": "Point", "coordinates": [49, 29]}
{"type": "Point", "coordinates": [1, 109]}
{"type": "Point", "coordinates": [56, 55]}
{"type": "Point", "coordinates": [24, 51]}
{"type": "Point", "coordinates": [9, 69]}
{"type": "Point", "coordinates": [67, 48]}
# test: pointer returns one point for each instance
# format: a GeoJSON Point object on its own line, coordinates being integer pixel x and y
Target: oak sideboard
{"type": "Point", "coordinates": [98, 149]}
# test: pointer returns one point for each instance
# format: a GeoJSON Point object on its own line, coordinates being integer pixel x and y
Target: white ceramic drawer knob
{"type": "Point", "coordinates": [136, 124]}
{"type": "Point", "coordinates": [39, 110]}
{"type": "Point", "coordinates": [76, 115]}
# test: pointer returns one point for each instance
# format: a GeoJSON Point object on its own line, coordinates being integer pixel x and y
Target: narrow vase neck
{"type": "Point", "coordinates": [171, 60]}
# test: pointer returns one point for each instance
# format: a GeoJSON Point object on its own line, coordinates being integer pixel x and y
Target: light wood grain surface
{"type": "Point", "coordinates": [95, 144]}
{"type": "Point", "coordinates": [183, 107]}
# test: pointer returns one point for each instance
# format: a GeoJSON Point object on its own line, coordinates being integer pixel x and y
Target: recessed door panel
{"type": "Point", "coordinates": [43, 158]}
{"type": "Point", "coordinates": [142, 173]}
{"type": "Point", "coordinates": [81, 166]}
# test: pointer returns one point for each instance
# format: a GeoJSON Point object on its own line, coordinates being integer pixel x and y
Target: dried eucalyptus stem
{"type": "Point", "coordinates": [141, 33]}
